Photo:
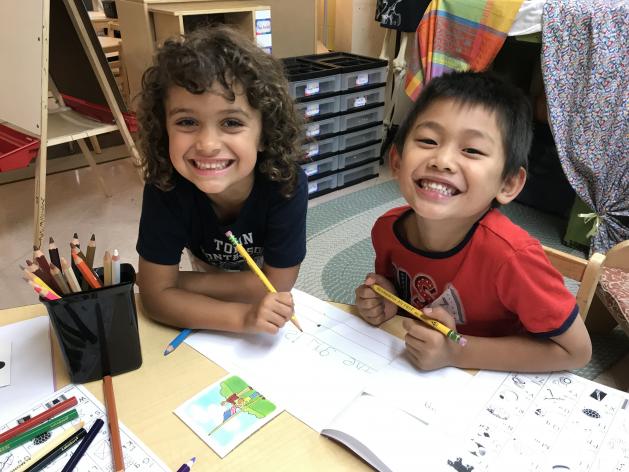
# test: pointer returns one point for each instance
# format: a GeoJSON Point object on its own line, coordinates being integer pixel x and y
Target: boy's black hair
{"type": "Point", "coordinates": [511, 106]}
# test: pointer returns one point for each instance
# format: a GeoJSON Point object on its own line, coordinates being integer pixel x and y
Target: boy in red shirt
{"type": "Point", "coordinates": [461, 153]}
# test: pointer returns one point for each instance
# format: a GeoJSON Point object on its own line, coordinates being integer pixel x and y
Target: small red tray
{"type": "Point", "coordinates": [17, 149]}
{"type": "Point", "coordinates": [99, 112]}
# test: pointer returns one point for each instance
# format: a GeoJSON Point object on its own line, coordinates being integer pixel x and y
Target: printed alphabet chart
{"type": "Point", "coordinates": [98, 457]}
{"type": "Point", "coordinates": [538, 423]}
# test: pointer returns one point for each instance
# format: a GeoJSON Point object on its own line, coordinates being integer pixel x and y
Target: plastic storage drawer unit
{"type": "Point", "coordinates": [319, 108]}
{"type": "Point", "coordinates": [359, 156]}
{"type": "Point", "coordinates": [322, 127]}
{"type": "Point", "coordinates": [365, 98]}
{"type": "Point", "coordinates": [371, 116]}
{"type": "Point", "coordinates": [320, 168]}
{"type": "Point", "coordinates": [356, 71]}
{"type": "Point", "coordinates": [322, 186]}
{"type": "Point", "coordinates": [360, 138]}
{"type": "Point", "coordinates": [357, 174]}
{"type": "Point", "coordinates": [309, 79]}
{"type": "Point", "coordinates": [319, 149]}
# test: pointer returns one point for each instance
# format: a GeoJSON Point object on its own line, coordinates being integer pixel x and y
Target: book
{"type": "Point", "coordinates": [499, 421]}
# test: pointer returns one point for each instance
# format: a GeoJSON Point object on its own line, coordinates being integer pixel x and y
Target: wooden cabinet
{"type": "Point", "coordinates": [144, 23]}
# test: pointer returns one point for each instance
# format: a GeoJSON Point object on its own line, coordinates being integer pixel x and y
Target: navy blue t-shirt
{"type": "Point", "coordinates": [270, 227]}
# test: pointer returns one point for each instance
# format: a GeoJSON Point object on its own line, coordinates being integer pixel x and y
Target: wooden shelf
{"type": "Point", "coordinates": [68, 125]}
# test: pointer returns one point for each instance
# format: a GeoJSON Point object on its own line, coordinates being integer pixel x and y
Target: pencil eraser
{"type": "Point", "coordinates": [229, 234]}
{"type": "Point", "coordinates": [462, 342]}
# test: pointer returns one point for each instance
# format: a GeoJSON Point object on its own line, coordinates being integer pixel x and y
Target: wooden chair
{"type": "Point", "coordinates": [585, 271]}
{"type": "Point", "coordinates": [611, 305]}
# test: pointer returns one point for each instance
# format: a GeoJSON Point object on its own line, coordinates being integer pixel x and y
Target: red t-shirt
{"type": "Point", "coordinates": [496, 282]}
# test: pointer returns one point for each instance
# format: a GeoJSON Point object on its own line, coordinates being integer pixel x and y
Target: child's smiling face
{"type": "Point", "coordinates": [213, 142]}
{"type": "Point", "coordinates": [452, 163]}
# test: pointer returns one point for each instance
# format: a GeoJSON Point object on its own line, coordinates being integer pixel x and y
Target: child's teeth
{"type": "Point", "coordinates": [441, 188]}
{"type": "Point", "coordinates": [211, 165]}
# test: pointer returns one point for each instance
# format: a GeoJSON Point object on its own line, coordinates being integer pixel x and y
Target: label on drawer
{"type": "Point", "coordinates": [312, 109]}
{"type": "Point", "coordinates": [312, 187]}
{"type": "Point", "coordinates": [362, 79]}
{"type": "Point", "coordinates": [311, 88]}
{"type": "Point", "coordinates": [310, 169]}
{"type": "Point", "coordinates": [313, 130]}
{"type": "Point", "coordinates": [360, 102]}
{"type": "Point", "coordinates": [313, 149]}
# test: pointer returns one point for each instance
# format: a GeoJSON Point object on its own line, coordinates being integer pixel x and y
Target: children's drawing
{"type": "Point", "coordinates": [226, 413]}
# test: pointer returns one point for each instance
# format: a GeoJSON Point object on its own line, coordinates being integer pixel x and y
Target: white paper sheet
{"type": "Point", "coordinates": [98, 457]}
{"type": "Point", "coordinates": [426, 393]}
{"type": "Point", "coordinates": [31, 365]}
{"type": "Point", "coordinates": [538, 422]}
{"type": "Point", "coordinates": [313, 374]}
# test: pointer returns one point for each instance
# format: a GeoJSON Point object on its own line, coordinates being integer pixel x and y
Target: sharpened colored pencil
{"type": "Point", "coordinates": [86, 272]}
{"type": "Point", "coordinates": [38, 419]}
{"type": "Point", "coordinates": [70, 276]}
{"type": "Point", "coordinates": [115, 267]}
{"type": "Point", "coordinates": [80, 451]}
{"type": "Point", "coordinates": [174, 344]}
{"type": "Point", "coordinates": [187, 466]}
{"type": "Point", "coordinates": [91, 250]}
{"type": "Point", "coordinates": [53, 252]}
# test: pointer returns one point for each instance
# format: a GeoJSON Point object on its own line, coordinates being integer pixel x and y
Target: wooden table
{"type": "Point", "coordinates": [146, 399]}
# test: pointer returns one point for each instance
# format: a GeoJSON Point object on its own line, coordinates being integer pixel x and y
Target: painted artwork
{"type": "Point", "coordinates": [226, 413]}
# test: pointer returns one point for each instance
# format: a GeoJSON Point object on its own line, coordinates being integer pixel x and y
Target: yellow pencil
{"type": "Point", "coordinates": [447, 332]}
{"type": "Point", "coordinates": [254, 267]}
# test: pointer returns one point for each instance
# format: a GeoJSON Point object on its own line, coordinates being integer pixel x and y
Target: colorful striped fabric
{"type": "Point", "coordinates": [457, 35]}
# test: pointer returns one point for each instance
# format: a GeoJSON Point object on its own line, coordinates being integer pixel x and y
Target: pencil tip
{"type": "Point", "coordinates": [76, 236]}
{"type": "Point", "coordinates": [193, 460]}
{"type": "Point", "coordinates": [35, 248]}
{"type": "Point", "coordinates": [50, 240]}
{"type": "Point", "coordinates": [21, 267]}
{"type": "Point", "coordinates": [168, 350]}
{"type": "Point", "coordinates": [93, 238]}
{"type": "Point", "coordinates": [29, 262]}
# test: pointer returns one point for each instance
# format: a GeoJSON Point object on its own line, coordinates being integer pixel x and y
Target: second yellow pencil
{"type": "Point", "coordinates": [447, 332]}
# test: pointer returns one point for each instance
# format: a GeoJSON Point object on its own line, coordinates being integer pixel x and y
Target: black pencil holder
{"type": "Point", "coordinates": [98, 329]}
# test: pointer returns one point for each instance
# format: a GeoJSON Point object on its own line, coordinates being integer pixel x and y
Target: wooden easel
{"type": "Point", "coordinates": [25, 84]}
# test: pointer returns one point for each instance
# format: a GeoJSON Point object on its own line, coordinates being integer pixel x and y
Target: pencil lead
{"type": "Point", "coordinates": [76, 236]}
{"type": "Point", "coordinates": [29, 262]}
{"type": "Point", "coordinates": [93, 238]}
{"type": "Point", "coordinates": [35, 248]}
{"type": "Point", "coordinates": [51, 241]}
{"type": "Point", "coordinates": [21, 267]}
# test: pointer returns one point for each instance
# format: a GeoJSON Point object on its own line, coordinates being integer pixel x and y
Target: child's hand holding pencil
{"type": "Point", "coordinates": [373, 308]}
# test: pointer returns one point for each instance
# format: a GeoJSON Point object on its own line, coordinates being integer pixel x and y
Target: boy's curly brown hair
{"type": "Point", "coordinates": [219, 54]}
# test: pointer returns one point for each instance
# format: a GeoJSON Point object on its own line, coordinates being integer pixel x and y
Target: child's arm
{"type": "Point", "coordinates": [428, 349]}
{"type": "Point", "coordinates": [243, 286]}
{"type": "Point", "coordinates": [372, 307]}
{"type": "Point", "coordinates": [168, 302]}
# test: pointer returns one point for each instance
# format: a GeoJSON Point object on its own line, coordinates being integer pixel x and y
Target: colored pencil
{"type": "Point", "coordinates": [80, 451]}
{"type": "Point", "coordinates": [37, 280]}
{"type": "Point", "coordinates": [447, 332]}
{"type": "Point", "coordinates": [42, 292]}
{"type": "Point", "coordinates": [87, 273]}
{"type": "Point", "coordinates": [53, 252]}
{"type": "Point", "coordinates": [58, 451]}
{"type": "Point", "coordinates": [74, 249]}
{"type": "Point", "coordinates": [112, 422]}
{"type": "Point", "coordinates": [91, 250]}
{"type": "Point", "coordinates": [115, 267]}
{"type": "Point", "coordinates": [34, 269]}
{"type": "Point", "coordinates": [48, 447]}
{"type": "Point", "coordinates": [36, 431]}
{"type": "Point", "coordinates": [174, 344]}
{"type": "Point", "coordinates": [254, 267]}
{"type": "Point", "coordinates": [41, 260]}
{"type": "Point", "coordinates": [68, 273]}
{"type": "Point", "coordinates": [107, 268]}
{"type": "Point", "coordinates": [38, 419]}
{"type": "Point", "coordinates": [58, 276]}
{"type": "Point", "coordinates": [187, 466]}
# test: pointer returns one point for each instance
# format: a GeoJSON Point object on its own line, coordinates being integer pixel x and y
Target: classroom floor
{"type": "Point", "coordinates": [76, 203]}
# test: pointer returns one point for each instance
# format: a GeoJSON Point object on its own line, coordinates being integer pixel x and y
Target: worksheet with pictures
{"type": "Point", "coordinates": [98, 456]}
{"type": "Point", "coordinates": [538, 422]}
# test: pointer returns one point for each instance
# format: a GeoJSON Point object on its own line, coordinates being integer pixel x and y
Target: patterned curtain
{"type": "Point", "coordinates": [585, 64]}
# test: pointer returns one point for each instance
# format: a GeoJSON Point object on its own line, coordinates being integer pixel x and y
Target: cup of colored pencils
{"type": "Point", "coordinates": [92, 310]}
